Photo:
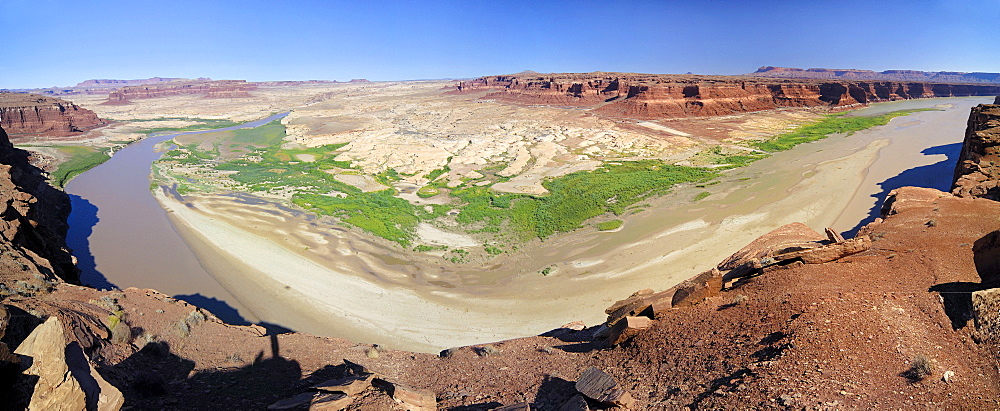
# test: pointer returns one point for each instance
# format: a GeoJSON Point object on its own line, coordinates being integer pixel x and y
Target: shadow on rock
{"type": "Point", "coordinates": [957, 296]}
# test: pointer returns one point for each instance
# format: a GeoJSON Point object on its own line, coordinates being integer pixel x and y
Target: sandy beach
{"type": "Point", "coordinates": [311, 275]}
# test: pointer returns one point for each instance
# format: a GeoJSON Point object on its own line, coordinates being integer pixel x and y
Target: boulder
{"type": "Point", "coordinates": [986, 312]}
{"type": "Point", "coordinates": [696, 289]}
{"type": "Point", "coordinates": [347, 385]}
{"type": "Point", "coordinates": [601, 387]}
{"type": "Point", "coordinates": [627, 328]}
{"type": "Point", "coordinates": [833, 236]}
{"type": "Point", "coordinates": [575, 403]}
{"type": "Point", "coordinates": [789, 237]}
{"type": "Point", "coordinates": [4, 320]}
{"type": "Point", "coordinates": [643, 302]}
{"type": "Point", "coordinates": [413, 399]}
{"type": "Point", "coordinates": [45, 352]}
{"type": "Point", "coordinates": [829, 252]}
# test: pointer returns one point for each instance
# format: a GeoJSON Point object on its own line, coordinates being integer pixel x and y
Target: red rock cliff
{"type": "Point", "coordinates": [650, 96]}
{"type": "Point", "coordinates": [977, 173]}
{"type": "Point", "coordinates": [32, 221]}
{"type": "Point", "coordinates": [211, 89]}
{"type": "Point", "coordinates": [34, 114]}
{"type": "Point", "coordinates": [888, 75]}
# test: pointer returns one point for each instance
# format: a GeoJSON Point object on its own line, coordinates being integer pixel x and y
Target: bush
{"type": "Point", "coordinates": [609, 225]}
{"type": "Point", "coordinates": [920, 367]}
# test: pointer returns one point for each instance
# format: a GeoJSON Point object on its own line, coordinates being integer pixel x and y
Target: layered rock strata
{"type": "Point", "coordinates": [35, 114]}
{"type": "Point", "coordinates": [648, 96]}
{"type": "Point", "coordinates": [888, 75]}
{"type": "Point", "coordinates": [211, 89]}
{"type": "Point", "coordinates": [32, 222]}
{"type": "Point", "coordinates": [977, 173]}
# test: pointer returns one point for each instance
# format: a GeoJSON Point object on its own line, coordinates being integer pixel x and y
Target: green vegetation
{"type": "Point", "coordinates": [206, 124]}
{"type": "Point", "coordinates": [433, 175]}
{"type": "Point", "coordinates": [81, 158]}
{"type": "Point", "coordinates": [609, 225]}
{"type": "Point", "coordinates": [260, 164]}
{"type": "Point", "coordinates": [831, 124]}
{"type": "Point", "coordinates": [427, 192]}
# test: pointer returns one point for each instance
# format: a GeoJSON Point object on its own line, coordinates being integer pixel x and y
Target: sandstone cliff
{"type": "Point", "coordinates": [34, 114]}
{"type": "Point", "coordinates": [645, 96]}
{"type": "Point", "coordinates": [210, 89]}
{"type": "Point", "coordinates": [977, 173]}
{"type": "Point", "coordinates": [888, 75]}
{"type": "Point", "coordinates": [795, 320]}
{"type": "Point", "coordinates": [32, 222]}
{"type": "Point", "coordinates": [111, 83]}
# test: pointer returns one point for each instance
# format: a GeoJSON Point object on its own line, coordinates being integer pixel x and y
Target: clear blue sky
{"type": "Point", "coordinates": [61, 42]}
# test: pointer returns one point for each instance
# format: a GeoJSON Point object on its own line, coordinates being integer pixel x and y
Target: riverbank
{"type": "Point", "coordinates": [323, 279]}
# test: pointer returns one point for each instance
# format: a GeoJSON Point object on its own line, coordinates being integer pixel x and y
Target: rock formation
{"type": "Point", "coordinates": [34, 114]}
{"type": "Point", "coordinates": [888, 75]}
{"type": "Point", "coordinates": [795, 320]}
{"type": "Point", "coordinates": [110, 83]}
{"type": "Point", "coordinates": [977, 173]}
{"type": "Point", "coordinates": [648, 96]}
{"type": "Point", "coordinates": [210, 89]}
{"type": "Point", "coordinates": [32, 221]}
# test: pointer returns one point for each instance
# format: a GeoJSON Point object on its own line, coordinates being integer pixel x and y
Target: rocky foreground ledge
{"type": "Point", "coordinates": [904, 315]}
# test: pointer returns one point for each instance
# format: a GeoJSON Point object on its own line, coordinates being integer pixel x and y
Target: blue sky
{"type": "Point", "coordinates": [59, 43]}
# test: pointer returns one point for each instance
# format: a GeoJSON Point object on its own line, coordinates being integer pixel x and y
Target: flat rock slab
{"type": "Point", "coordinates": [627, 328]}
{"type": "Point", "coordinates": [292, 403]}
{"type": "Point", "coordinates": [521, 406]}
{"type": "Point", "coordinates": [330, 402]}
{"type": "Point", "coordinates": [601, 387]}
{"type": "Point", "coordinates": [412, 399]}
{"type": "Point", "coordinates": [347, 385]}
{"type": "Point", "coordinates": [575, 403]}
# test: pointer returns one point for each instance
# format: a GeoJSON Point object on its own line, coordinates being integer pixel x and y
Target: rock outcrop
{"type": "Point", "coordinates": [35, 114]}
{"type": "Point", "coordinates": [651, 96]}
{"type": "Point", "coordinates": [888, 75]}
{"type": "Point", "coordinates": [32, 221]}
{"type": "Point", "coordinates": [977, 173]}
{"type": "Point", "coordinates": [59, 375]}
{"type": "Point", "coordinates": [210, 89]}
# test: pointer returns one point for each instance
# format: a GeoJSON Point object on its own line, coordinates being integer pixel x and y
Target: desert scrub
{"type": "Point", "coordinates": [609, 225]}
{"type": "Point", "coordinates": [184, 326]}
{"type": "Point", "coordinates": [920, 367]}
{"type": "Point", "coordinates": [205, 124]}
{"type": "Point", "coordinates": [831, 124]}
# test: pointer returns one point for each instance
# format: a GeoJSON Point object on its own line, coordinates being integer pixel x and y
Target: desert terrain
{"type": "Point", "coordinates": [443, 272]}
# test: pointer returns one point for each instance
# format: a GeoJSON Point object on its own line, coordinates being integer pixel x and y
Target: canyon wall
{"type": "Point", "coordinates": [211, 89]}
{"type": "Point", "coordinates": [34, 114]}
{"type": "Point", "coordinates": [32, 222]}
{"type": "Point", "coordinates": [888, 75]}
{"type": "Point", "coordinates": [977, 173]}
{"type": "Point", "coordinates": [646, 96]}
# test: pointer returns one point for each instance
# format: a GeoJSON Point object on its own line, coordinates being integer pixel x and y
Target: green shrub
{"type": "Point", "coordinates": [609, 225]}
